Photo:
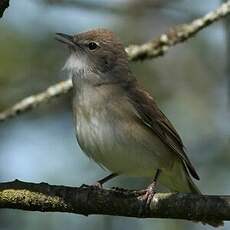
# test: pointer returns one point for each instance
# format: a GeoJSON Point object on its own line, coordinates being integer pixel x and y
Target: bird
{"type": "Point", "coordinates": [117, 122]}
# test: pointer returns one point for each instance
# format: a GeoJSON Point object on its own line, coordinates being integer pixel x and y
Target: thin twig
{"type": "Point", "coordinates": [34, 100]}
{"type": "Point", "coordinates": [152, 49]}
{"type": "Point", "coordinates": [91, 200]}
{"type": "Point", "coordinates": [176, 35]}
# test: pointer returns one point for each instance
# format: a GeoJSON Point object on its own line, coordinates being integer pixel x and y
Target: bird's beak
{"type": "Point", "coordinates": [65, 38]}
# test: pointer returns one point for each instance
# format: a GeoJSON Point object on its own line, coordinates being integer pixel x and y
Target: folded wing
{"type": "Point", "coordinates": [151, 115]}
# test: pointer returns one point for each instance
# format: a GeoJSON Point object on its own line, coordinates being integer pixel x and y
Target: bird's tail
{"type": "Point", "coordinates": [178, 179]}
{"type": "Point", "coordinates": [194, 189]}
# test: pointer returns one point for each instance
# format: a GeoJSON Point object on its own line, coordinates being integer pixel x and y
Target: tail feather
{"type": "Point", "coordinates": [178, 179]}
{"type": "Point", "coordinates": [194, 189]}
{"type": "Point", "coordinates": [192, 186]}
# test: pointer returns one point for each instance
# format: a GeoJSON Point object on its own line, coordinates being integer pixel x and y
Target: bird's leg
{"type": "Point", "coordinates": [99, 183]}
{"type": "Point", "coordinates": [150, 191]}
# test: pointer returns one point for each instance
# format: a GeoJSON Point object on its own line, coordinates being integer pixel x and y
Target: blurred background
{"type": "Point", "coordinates": [190, 83]}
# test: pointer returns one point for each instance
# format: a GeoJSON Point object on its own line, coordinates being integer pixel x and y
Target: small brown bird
{"type": "Point", "coordinates": [118, 124]}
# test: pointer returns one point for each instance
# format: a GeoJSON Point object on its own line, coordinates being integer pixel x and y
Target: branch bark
{"type": "Point", "coordinates": [90, 200]}
{"type": "Point", "coordinates": [176, 35]}
{"type": "Point", "coordinates": [33, 101]}
{"type": "Point", "coordinates": [152, 49]}
{"type": "Point", "coordinates": [3, 5]}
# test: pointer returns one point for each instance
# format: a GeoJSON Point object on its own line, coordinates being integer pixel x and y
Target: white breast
{"type": "Point", "coordinates": [115, 141]}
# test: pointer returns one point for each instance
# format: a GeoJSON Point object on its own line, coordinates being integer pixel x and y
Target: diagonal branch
{"type": "Point", "coordinates": [176, 35]}
{"type": "Point", "coordinates": [91, 200]}
{"type": "Point", "coordinates": [152, 49]}
{"type": "Point", "coordinates": [34, 100]}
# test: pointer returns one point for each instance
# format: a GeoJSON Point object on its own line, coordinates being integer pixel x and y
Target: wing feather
{"type": "Point", "coordinates": [151, 115]}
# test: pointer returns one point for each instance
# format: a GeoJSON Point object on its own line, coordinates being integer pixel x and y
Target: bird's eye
{"type": "Point", "coordinates": [92, 45]}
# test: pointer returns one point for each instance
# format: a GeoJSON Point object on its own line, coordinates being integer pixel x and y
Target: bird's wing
{"type": "Point", "coordinates": [151, 115]}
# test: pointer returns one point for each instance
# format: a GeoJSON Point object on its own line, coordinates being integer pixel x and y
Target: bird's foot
{"type": "Point", "coordinates": [147, 196]}
{"type": "Point", "coordinates": [84, 186]}
{"type": "Point", "coordinates": [97, 185]}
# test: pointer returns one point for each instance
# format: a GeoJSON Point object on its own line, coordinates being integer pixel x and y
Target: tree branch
{"type": "Point", "coordinates": [33, 101]}
{"type": "Point", "coordinates": [176, 35]}
{"type": "Point", "coordinates": [152, 49]}
{"type": "Point", "coordinates": [90, 200]}
{"type": "Point", "coordinates": [3, 5]}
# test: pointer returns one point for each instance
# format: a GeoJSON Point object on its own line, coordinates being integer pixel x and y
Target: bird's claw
{"type": "Point", "coordinates": [146, 196]}
{"type": "Point", "coordinates": [97, 185]}
{"type": "Point", "coordinates": [84, 186]}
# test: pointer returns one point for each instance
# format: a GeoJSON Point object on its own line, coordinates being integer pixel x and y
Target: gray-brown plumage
{"type": "Point", "coordinates": [118, 124]}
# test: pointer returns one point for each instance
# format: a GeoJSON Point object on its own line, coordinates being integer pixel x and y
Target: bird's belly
{"type": "Point", "coordinates": [122, 146]}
